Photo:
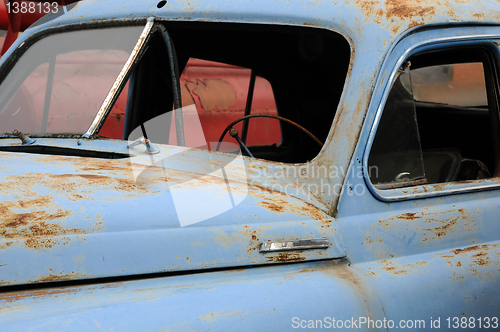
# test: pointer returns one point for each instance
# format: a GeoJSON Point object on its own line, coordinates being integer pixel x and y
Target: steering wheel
{"type": "Point", "coordinates": [266, 116]}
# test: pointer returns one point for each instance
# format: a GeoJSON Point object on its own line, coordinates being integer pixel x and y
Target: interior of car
{"type": "Point", "coordinates": [440, 123]}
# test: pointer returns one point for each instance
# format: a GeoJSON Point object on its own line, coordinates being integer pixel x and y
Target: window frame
{"type": "Point", "coordinates": [407, 47]}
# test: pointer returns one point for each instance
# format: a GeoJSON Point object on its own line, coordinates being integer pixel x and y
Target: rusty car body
{"type": "Point", "coordinates": [372, 205]}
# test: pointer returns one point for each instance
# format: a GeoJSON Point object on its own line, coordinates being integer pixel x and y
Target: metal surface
{"type": "Point", "coordinates": [88, 215]}
{"type": "Point", "coordinates": [295, 245]}
{"type": "Point", "coordinates": [431, 257]}
{"type": "Point", "coordinates": [119, 82]}
{"type": "Point", "coordinates": [374, 26]}
{"type": "Point", "coordinates": [205, 301]}
{"type": "Point", "coordinates": [25, 139]}
{"type": "Point", "coordinates": [150, 147]}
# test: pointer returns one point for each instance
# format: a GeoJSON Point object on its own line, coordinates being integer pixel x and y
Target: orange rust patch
{"type": "Point", "coordinates": [400, 269]}
{"type": "Point", "coordinates": [16, 296]}
{"type": "Point", "coordinates": [273, 207]}
{"type": "Point", "coordinates": [118, 184]}
{"type": "Point", "coordinates": [285, 257]}
{"type": "Point", "coordinates": [378, 15]}
{"type": "Point", "coordinates": [440, 223]}
{"type": "Point", "coordinates": [470, 249]}
{"type": "Point", "coordinates": [288, 277]}
{"type": "Point", "coordinates": [6, 245]}
{"type": "Point", "coordinates": [73, 186]}
{"type": "Point", "coordinates": [403, 9]}
{"type": "Point", "coordinates": [98, 224]}
{"type": "Point", "coordinates": [59, 277]}
{"type": "Point", "coordinates": [281, 203]}
{"type": "Point", "coordinates": [368, 240]}
{"type": "Point", "coordinates": [481, 259]}
{"type": "Point", "coordinates": [442, 230]}
{"type": "Point", "coordinates": [391, 268]}
{"type": "Point", "coordinates": [408, 216]}
{"type": "Point", "coordinates": [368, 7]}
{"type": "Point", "coordinates": [254, 243]}
{"type": "Point", "coordinates": [34, 225]}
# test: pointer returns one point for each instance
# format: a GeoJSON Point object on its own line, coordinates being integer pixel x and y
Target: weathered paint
{"type": "Point", "coordinates": [373, 25]}
{"type": "Point", "coordinates": [75, 217]}
{"type": "Point", "coordinates": [224, 298]}
{"type": "Point", "coordinates": [413, 259]}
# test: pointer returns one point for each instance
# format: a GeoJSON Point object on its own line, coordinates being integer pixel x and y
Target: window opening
{"type": "Point", "coordinates": [436, 124]}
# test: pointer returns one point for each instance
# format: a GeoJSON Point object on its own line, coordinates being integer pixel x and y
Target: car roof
{"type": "Point", "coordinates": [353, 18]}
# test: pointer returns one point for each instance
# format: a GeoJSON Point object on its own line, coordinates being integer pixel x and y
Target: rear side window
{"type": "Point", "coordinates": [439, 124]}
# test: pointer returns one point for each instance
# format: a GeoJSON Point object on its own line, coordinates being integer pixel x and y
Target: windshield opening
{"type": "Point", "coordinates": [280, 85]}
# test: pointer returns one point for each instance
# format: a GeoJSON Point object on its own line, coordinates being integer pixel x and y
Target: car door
{"type": "Point", "coordinates": [422, 222]}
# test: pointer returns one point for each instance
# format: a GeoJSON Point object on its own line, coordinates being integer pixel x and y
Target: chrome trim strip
{"type": "Point", "coordinates": [120, 80]}
{"type": "Point", "coordinates": [423, 191]}
{"type": "Point", "coordinates": [294, 245]}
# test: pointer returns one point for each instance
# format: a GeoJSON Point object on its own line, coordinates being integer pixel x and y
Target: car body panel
{"type": "Point", "coordinates": [250, 297]}
{"type": "Point", "coordinates": [93, 218]}
{"type": "Point", "coordinates": [407, 256]}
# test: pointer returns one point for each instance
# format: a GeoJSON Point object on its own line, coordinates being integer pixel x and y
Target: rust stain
{"type": "Point", "coordinates": [470, 249]}
{"type": "Point", "coordinates": [392, 268]}
{"type": "Point", "coordinates": [437, 224]}
{"type": "Point", "coordinates": [479, 254]}
{"type": "Point", "coordinates": [442, 230]}
{"type": "Point", "coordinates": [367, 6]}
{"type": "Point", "coordinates": [474, 259]}
{"type": "Point", "coordinates": [98, 224]}
{"type": "Point", "coordinates": [408, 216]}
{"type": "Point", "coordinates": [254, 242]}
{"type": "Point", "coordinates": [369, 240]}
{"type": "Point", "coordinates": [35, 224]}
{"type": "Point", "coordinates": [416, 23]}
{"type": "Point", "coordinates": [285, 257]}
{"type": "Point", "coordinates": [481, 258]}
{"type": "Point", "coordinates": [288, 277]}
{"type": "Point", "coordinates": [273, 207]}
{"type": "Point", "coordinates": [403, 9]}
{"type": "Point", "coordinates": [17, 296]}
{"type": "Point", "coordinates": [59, 277]}
{"type": "Point", "coordinates": [96, 180]}
{"type": "Point", "coordinates": [280, 203]}
{"type": "Point", "coordinates": [75, 187]}
{"type": "Point", "coordinates": [357, 283]}
{"type": "Point", "coordinates": [401, 269]}
{"type": "Point", "coordinates": [213, 316]}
